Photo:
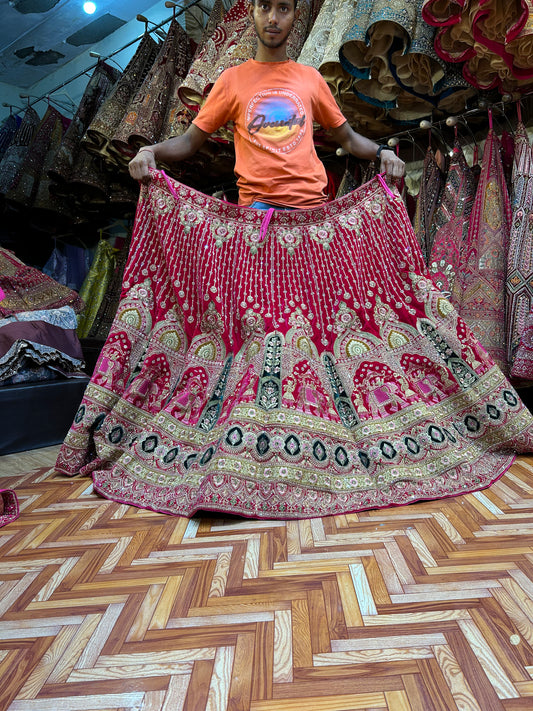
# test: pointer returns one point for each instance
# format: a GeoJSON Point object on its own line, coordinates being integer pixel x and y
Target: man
{"type": "Point", "coordinates": [272, 102]}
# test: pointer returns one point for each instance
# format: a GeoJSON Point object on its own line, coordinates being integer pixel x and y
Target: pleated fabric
{"type": "Point", "coordinates": [143, 123]}
{"type": "Point", "coordinates": [331, 376]}
{"type": "Point", "coordinates": [484, 270]}
{"type": "Point", "coordinates": [451, 223]}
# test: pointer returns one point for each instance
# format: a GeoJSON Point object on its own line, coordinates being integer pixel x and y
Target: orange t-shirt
{"type": "Point", "coordinates": [273, 106]}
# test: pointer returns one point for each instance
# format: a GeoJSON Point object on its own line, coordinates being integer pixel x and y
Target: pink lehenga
{"type": "Point", "coordinates": [481, 281]}
{"type": "Point", "coordinates": [287, 364]}
{"type": "Point", "coordinates": [519, 282]}
{"type": "Point", "coordinates": [451, 219]}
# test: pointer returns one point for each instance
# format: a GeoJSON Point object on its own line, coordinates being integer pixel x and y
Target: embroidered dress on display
{"type": "Point", "coordinates": [287, 365]}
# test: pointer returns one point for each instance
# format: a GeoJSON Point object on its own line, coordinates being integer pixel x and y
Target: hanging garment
{"type": "Point", "coordinates": [98, 87]}
{"type": "Point", "coordinates": [108, 308]}
{"type": "Point", "coordinates": [347, 184]}
{"type": "Point", "coordinates": [321, 48]}
{"type": "Point", "coordinates": [49, 210]}
{"type": "Point", "coordinates": [429, 196]}
{"type": "Point", "coordinates": [143, 122]}
{"type": "Point", "coordinates": [451, 220]}
{"type": "Point", "coordinates": [519, 282]}
{"type": "Point", "coordinates": [9, 508]}
{"type": "Point", "coordinates": [178, 117]}
{"type": "Point", "coordinates": [103, 126]}
{"type": "Point", "coordinates": [8, 130]}
{"type": "Point", "coordinates": [56, 266]}
{"type": "Point", "coordinates": [95, 285]}
{"type": "Point", "coordinates": [221, 43]}
{"type": "Point", "coordinates": [18, 148]}
{"type": "Point", "coordinates": [492, 40]}
{"type": "Point", "coordinates": [484, 267]}
{"type": "Point", "coordinates": [286, 393]}
{"type": "Point", "coordinates": [28, 289]}
{"type": "Point", "coordinates": [23, 190]}
{"type": "Point", "coordinates": [387, 47]}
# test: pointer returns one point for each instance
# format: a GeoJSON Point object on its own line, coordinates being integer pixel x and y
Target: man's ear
{"type": "Point", "coordinates": [251, 6]}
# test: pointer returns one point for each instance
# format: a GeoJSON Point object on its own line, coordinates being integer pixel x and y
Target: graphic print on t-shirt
{"type": "Point", "coordinates": [275, 120]}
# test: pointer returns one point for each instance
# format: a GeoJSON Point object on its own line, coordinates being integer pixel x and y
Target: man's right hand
{"type": "Point", "coordinates": [140, 165]}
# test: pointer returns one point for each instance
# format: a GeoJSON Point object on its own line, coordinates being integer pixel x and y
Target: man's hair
{"type": "Point", "coordinates": [295, 2]}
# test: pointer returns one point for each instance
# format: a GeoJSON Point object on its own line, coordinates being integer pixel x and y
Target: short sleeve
{"type": "Point", "coordinates": [325, 109]}
{"type": "Point", "coordinates": [217, 110]}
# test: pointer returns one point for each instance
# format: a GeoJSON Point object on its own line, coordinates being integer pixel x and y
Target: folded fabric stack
{"type": "Point", "coordinates": [38, 339]}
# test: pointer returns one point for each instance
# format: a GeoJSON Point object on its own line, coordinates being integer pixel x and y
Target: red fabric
{"type": "Point", "coordinates": [293, 369]}
{"type": "Point", "coordinates": [482, 278]}
{"type": "Point", "coordinates": [28, 289]}
{"type": "Point", "coordinates": [9, 508]}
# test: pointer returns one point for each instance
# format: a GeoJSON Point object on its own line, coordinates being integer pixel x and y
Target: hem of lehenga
{"type": "Point", "coordinates": [287, 515]}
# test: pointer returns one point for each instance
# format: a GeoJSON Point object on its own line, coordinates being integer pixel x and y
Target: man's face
{"type": "Point", "coordinates": [273, 21]}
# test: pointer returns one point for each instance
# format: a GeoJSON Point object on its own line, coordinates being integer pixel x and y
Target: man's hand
{"type": "Point", "coordinates": [391, 165]}
{"type": "Point", "coordinates": [140, 165]}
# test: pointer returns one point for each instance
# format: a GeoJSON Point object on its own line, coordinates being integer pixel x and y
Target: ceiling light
{"type": "Point", "coordinates": [89, 7]}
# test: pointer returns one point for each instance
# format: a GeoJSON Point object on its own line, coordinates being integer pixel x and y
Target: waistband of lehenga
{"type": "Point", "coordinates": [375, 188]}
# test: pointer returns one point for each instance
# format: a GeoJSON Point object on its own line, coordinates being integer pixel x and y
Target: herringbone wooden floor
{"type": "Point", "coordinates": [420, 608]}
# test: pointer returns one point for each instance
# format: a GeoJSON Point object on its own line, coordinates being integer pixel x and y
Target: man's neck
{"type": "Point", "coordinates": [266, 54]}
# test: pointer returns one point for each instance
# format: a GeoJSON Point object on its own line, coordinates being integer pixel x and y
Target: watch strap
{"type": "Point", "coordinates": [382, 147]}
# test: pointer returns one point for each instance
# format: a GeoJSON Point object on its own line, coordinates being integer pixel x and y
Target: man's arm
{"type": "Point", "coordinates": [170, 151]}
{"type": "Point", "coordinates": [364, 148]}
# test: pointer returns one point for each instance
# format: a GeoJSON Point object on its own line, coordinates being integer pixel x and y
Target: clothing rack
{"type": "Point", "coordinates": [175, 13]}
{"type": "Point", "coordinates": [452, 120]}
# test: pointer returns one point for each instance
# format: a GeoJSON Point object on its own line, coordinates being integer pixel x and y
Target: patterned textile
{"type": "Point", "coordinates": [30, 373]}
{"type": "Point", "coordinates": [428, 199]}
{"type": "Point", "coordinates": [221, 43]}
{"type": "Point", "coordinates": [483, 274]}
{"type": "Point", "coordinates": [451, 221]}
{"type": "Point", "coordinates": [9, 508]}
{"type": "Point", "coordinates": [8, 130]}
{"type": "Point", "coordinates": [523, 363]}
{"type": "Point", "coordinates": [178, 116]}
{"type": "Point", "coordinates": [24, 187]}
{"type": "Point", "coordinates": [348, 184]}
{"type": "Point", "coordinates": [331, 376]}
{"type": "Point", "coordinates": [108, 308]}
{"type": "Point", "coordinates": [18, 149]}
{"type": "Point", "coordinates": [519, 283]}
{"type": "Point", "coordinates": [143, 122]}
{"type": "Point", "coordinates": [95, 285]}
{"type": "Point", "coordinates": [97, 89]}
{"type": "Point", "coordinates": [28, 289]}
{"type": "Point", "coordinates": [388, 38]}
{"type": "Point", "coordinates": [40, 338]}
{"type": "Point", "coordinates": [49, 209]}
{"type": "Point", "coordinates": [493, 39]}
{"type": "Point", "coordinates": [101, 129]}
{"type": "Point", "coordinates": [321, 48]}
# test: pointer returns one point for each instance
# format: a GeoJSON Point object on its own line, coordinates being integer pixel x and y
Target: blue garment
{"type": "Point", "coordinates": [266, 206]}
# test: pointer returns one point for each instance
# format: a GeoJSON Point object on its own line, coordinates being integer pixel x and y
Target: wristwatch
{"type": "Point", "coordinates": [382, 147]}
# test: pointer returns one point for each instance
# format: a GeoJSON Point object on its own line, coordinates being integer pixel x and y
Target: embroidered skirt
{"type": "Point", "coordinates": [287, 364]}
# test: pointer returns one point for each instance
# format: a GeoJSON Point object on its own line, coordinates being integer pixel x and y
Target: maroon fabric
{"type": "Point", "coordinates": [9, 507]}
